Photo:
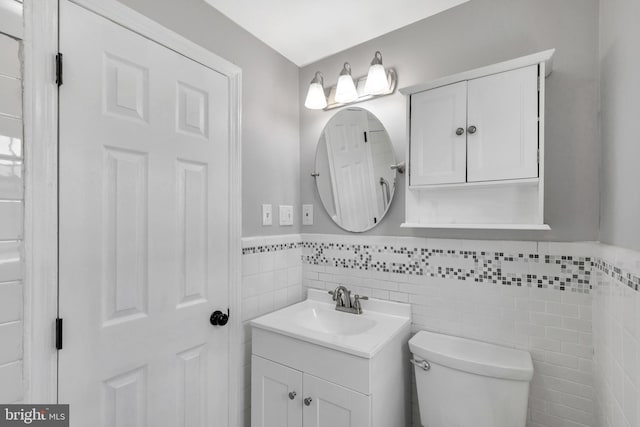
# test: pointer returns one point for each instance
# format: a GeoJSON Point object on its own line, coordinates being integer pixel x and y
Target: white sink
{"type": "Point", "coordinates": [330, 321]}
{"type": "Point", "coordinates": [315, 320]}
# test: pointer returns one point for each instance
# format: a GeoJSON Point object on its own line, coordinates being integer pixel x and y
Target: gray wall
{"type": "Point", "coordinates": [270, 147]}
{"type": "Point", "coordinates": [478, 33]}
{"type": "Point", "coordinates": [620, 112]}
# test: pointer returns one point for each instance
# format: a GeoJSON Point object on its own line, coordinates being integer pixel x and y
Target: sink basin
{"type": "Point", "coordinates": [315, 320]}
{"type": "Point", "coordinates": [329, 321]}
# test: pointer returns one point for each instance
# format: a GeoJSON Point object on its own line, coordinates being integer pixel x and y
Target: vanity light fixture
{"type": "Point", "coordinates": [377, 82]}
{"type": "Point", "coordinates": [316, 98]}
{"type": "Point", "coordinates": [346, 89]}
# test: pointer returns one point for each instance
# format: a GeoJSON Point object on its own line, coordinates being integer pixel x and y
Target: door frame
{"type": "Point", "coordinates": [41, 185]}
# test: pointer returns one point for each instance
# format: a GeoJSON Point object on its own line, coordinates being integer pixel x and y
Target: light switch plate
{"type": "Point", "coordinates": [267, 215]}
{"type": "Point", "coordinates": [286, 215]}
{"type": "Point", "coordinates": [307, 214]}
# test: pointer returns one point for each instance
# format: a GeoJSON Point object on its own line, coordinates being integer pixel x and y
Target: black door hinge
{"type": "Point", "coordinates": [58, 333]}
{"type": "Point", "coordinates": [59, 69]}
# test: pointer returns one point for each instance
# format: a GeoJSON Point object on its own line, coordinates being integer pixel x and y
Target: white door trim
{"type": "Point", "coordinates": [41, 199]}
{"type": "Point", "coordinates": [41, 125]}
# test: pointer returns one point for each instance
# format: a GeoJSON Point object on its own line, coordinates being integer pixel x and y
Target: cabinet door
{"type": "Point", "coordinates": [504, 110]}
{"type": "Point", "coordinates": [437, 153]}
{"type": "Point", "coordinates": [271, 402]}
{"type": "Point", "coordinates": [334, 406]}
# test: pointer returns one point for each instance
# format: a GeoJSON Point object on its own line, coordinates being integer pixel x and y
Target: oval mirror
{"type": "Point", "coordinates": [353, 169]}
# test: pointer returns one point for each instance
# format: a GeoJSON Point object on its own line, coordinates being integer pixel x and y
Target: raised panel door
{"type": "Point", "coordinates": [438, 143]}
{"type": "Point", "coordinates": [503, 109]}
{"type": "Point", "coordinates": [331, 405]}
{"type": "Point", "coordinates": [276, 394]}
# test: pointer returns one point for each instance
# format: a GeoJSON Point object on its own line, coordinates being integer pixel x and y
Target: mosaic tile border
{"type": "Point", "coordinates": [626, 278]}
{"type": "Point", "coordinates": [270, 248]}
{"type": "Point", "coordinates": [560, 272]}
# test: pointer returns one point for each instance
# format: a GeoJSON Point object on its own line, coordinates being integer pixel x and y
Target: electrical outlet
{"type": "Point", "coordinates": [267, 215]}
{"type": "Point", "coordinates": [307, 214]}
{"type": "Point", "coordinates": [286, 215]}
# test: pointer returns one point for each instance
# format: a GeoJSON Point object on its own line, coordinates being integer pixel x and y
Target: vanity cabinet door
{"type": "Point", "coordinates": [438, 136]}
{"type": "Point", "coordinates": [331, 405]}
{"type": "Point", "coordinates": [276, 394]}
{"type": "Point", "coordinates": [502, 126]}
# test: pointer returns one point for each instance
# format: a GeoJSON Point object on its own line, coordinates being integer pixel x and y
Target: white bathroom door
{"type": "Point", "coordinates": [351, 166]}
{"type": "Point", "coordinates": [144, 230]}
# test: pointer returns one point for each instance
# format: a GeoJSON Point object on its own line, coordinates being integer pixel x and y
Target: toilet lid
{"type": "Point", "coordinates": [472, 356]}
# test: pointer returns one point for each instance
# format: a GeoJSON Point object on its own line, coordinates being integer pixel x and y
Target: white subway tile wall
{"type": "Point", "coordinates": [616, 329]}
{"type": "Point", "coordinates": [271, 279]}
{"type": "Point", "coordinates": [11, 222]}
{"type": "Point", "coordinates": [537, 296]}
{"type": "Point", "coordinates": [517, 294]}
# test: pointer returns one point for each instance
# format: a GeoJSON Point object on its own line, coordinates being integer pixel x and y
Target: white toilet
{"type": "Point", "coordinates": [467, 383]}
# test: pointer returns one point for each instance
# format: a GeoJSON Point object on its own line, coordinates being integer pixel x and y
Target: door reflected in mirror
{"type": "Point", "coordinates": [353, 169]}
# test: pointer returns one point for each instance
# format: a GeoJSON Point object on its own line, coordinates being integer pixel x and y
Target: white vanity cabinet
{"type": "Point", "coordinates": [476, 148]}
{"type": "Point", "coordinates": [313, 366]}
{"type": "Point", "coordinates": [285, 397]}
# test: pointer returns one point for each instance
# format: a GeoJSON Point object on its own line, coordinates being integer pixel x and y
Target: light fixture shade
{"type": "Point", "coordinates": [377, 82]}
{"type": "Point", "coordinates": [346, 89]}
{"type": "Point", "coordinates": [316, 98]}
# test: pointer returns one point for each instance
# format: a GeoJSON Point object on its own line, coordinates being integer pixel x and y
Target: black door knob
{"type": "Point", "coordinates": [219, 318]}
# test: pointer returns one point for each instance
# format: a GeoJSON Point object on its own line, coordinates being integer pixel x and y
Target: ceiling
{"type": "Point", "coordinates": [305, 31]}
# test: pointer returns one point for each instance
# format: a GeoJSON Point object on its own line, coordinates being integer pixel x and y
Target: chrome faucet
{"type": "Point", "coordinates": [342, 296]}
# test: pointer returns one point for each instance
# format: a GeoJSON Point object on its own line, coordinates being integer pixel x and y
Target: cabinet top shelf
{"type": "Point", "coordinates": [524, 61]}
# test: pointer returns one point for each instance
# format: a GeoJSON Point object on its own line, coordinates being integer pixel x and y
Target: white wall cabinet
{"type": "Point", "coordinates": [476, 148]}
{"type": "Point", "coordinates": [285, 397]}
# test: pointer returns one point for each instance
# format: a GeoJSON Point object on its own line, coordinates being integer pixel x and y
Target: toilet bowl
{"type": "Point", "coordinates": [467, 383]}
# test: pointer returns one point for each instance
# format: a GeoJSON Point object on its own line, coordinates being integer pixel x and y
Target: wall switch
{"type": "Point", "coordinates": [286, 215]}
{"type": "Point", "coordinates": [307, 214]}
{"type": "Point", "coordinates": [267, 215]}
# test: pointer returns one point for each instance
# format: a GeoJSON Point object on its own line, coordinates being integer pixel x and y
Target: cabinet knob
{"type": "Point", "coordinates": [292, 395]}
{"type": "Point", "coordinates": [308, 401]}
{"type": "Point", "coordinates": [459, 131]}
{"type": "Point", "coordinates": [472, 129]}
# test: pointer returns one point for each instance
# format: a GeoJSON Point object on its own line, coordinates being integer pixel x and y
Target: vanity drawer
{"type": "Point", "coordinates": [341, 368]}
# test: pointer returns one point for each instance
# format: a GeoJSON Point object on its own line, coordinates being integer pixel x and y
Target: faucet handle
{"type": "Point", "coordinates": [334, 294]}
{"type": "Point", "coordinates": [356, 303]}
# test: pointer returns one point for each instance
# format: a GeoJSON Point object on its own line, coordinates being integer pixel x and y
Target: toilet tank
{"type": "Point", "coordinates": [470, 383]}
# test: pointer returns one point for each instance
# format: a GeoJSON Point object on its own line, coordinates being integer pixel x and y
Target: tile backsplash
{"type": "Point", "coordinates": [616, 330]}
{"type": "Point", "coordinates": [536, 296]}
{"type": "Point", "coordinates": [527, 295]}
{"type": "Point", "coordinates": [271, 279]}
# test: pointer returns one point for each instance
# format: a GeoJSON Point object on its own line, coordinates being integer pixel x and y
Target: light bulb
{"type": "Point", "coordinates": [377, 82]}
{"type": "Point", "coordinates": [316, 99]}
{"type": "Point", "coordinates": [346, 89]}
